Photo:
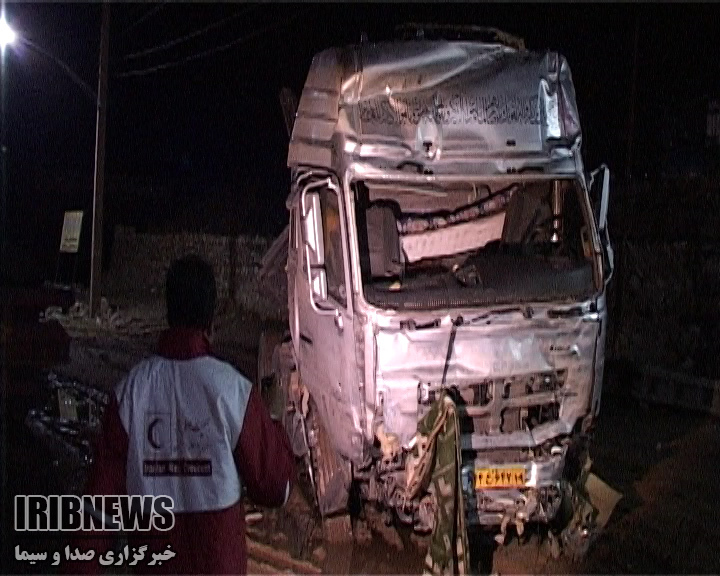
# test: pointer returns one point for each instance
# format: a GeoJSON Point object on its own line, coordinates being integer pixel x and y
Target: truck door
{"type": "Point", "coordinates": [600, 197]}
{"type": "Point", "coordinates": [292, 277]}
{"type": "Point", "coordinates": [326, 340]}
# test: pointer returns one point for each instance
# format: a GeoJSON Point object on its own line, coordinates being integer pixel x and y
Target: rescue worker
{"type": "Point", "coordinates": [186, 406]}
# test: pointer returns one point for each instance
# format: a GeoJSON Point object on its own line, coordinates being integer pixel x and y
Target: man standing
{"type": "Point", "coordinates": [186, 407]}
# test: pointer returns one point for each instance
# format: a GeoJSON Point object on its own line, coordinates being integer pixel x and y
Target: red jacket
{"type": "Point", "coordinates": [204, 541]}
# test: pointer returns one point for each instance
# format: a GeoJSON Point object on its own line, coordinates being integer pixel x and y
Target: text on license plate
{"type": "Point", "coordinates": [499, 478]}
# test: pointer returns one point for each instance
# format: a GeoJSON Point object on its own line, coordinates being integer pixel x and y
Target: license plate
{"type": "Point", "coordinates": [499, 478]}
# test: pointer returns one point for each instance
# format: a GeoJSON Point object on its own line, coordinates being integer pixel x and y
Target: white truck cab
{"type": "Point", "coordinates": [443, 234]}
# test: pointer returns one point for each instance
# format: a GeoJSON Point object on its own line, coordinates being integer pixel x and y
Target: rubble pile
{"type": "Point", "coordinates": [69, 422]}
{"type": "Point", "coordinates": [78, 323]}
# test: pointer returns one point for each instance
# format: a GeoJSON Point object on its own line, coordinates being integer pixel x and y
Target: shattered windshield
{"type": "Point", "coordinates": [474, 243]}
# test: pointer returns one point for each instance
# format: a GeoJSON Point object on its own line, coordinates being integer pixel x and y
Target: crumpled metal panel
{"type": "Point", "coordinates": [309, 145]}
{"type": "Point", "coordinates": [406, 358]}
{"type": "Point", "coordinates": [473, 100]}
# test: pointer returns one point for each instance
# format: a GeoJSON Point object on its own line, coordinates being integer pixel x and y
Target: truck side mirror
{"type": "Point", "coordinates": [312, 227]}
{"type": "Point", "coordinates": [314, 245]}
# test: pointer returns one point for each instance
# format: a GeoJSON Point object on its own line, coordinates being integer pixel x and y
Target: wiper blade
{"type": "Point", "coordinates": [527, 313]}
{"type": "Point", "coordinates": [572, 311]}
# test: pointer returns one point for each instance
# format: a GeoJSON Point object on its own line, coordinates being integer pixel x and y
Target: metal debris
{"type": "Point", "coordinates": [70, 419]}
{"type": "Point", "coordinates": [593, 501]}
{"type": "Point", "coordinates": [253, 517]}
{"type": "Point", "coordinates": [111, 320]}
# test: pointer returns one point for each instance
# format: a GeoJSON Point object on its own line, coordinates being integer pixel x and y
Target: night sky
{"type": "Point", "coordinates": [203, 127]}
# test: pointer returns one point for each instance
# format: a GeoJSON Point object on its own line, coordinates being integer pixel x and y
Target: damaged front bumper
{"type": "Point", "coordinates": [539, 499]}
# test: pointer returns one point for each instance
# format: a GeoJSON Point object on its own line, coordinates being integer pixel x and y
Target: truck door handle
{"type": "Point", "coordinates": [305, 339]}
{"type": "Point", "coordinates": [339, 320]}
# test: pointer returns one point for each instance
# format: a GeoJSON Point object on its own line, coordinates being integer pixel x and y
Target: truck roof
{"type": "Point", "coordinates": [438, 102]}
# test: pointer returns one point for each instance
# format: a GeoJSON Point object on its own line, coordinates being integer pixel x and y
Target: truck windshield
{"type": "Point", "coordinates": [473, 244]}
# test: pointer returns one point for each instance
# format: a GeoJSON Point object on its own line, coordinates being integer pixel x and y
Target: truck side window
{"type": "Point", "coordinates": [332, 239]}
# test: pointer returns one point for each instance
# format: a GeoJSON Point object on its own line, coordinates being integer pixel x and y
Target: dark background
{"type": "Point", "coordinates": [200, 144]}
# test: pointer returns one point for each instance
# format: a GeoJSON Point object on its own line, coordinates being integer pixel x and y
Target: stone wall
{"type": "Point", "coordinates": [140, 261]}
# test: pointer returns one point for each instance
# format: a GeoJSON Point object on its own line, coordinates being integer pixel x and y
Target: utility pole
{"type": "Point", "coordinates": [4, 269]}
{"type": "Point", "coordinates": [97, 221]}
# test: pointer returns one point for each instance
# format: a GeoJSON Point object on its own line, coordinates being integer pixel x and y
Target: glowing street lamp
{"type": "Point", "coordinates": [7, 34]}
{"type": "Point", "coordinates": [7, 37]}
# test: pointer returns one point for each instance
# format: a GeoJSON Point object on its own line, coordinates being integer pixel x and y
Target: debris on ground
{"type": "Point", "coordinates": [134, 321]}
{"type": "Point", "coordinates": [603, 497]}
{"type": "Point", "coordinates": [319, 554]}
{"type": "Point", "coordinates": [379, 527]}
{"type": "Point", "coordinates": [252, 517]}
{"type": "Point", "coordinates": [593, 502]}
{"type": "Point", "coordinates": [362, 533]}
{"type": "Point", "coordinates": [279, 559]}
{"type": "Point", "coordinates": [69, 421]}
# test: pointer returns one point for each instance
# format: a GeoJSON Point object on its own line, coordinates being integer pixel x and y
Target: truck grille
{"type": "Point", "coordinates": [506, 405]}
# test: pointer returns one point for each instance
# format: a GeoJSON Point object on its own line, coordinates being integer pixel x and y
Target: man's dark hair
{"type": "Point", "coordinates": [190, 293]}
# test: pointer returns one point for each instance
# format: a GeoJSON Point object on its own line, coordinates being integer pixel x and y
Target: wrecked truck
{"type": "Point", "coordinates": [443, 235]}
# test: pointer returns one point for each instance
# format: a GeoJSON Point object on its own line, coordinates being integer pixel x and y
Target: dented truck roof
{"type": "Point", "coordinates": [438, 103]}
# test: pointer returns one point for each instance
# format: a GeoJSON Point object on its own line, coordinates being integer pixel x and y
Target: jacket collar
{"type": "Point", "coordinates": [183, 344]}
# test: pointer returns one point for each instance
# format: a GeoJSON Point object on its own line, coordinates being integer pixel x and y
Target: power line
{"type": "Point", "coordinates": [175, 63]}
{"type": "Point", "coordinates": [188, 36]}
{"type": "Point", "coordinates": [142, 19]}
{"type": "Point", "coordinates": [69, 71]}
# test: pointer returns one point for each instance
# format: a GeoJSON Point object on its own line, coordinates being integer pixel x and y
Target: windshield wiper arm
{"type": "Point", "coordinates": [451, 345]}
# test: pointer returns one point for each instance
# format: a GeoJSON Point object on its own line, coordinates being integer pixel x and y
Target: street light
{"type": "Point", "coordinates": [7, 34]}
{"type": "Point", "coordinates": [7, 37]}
